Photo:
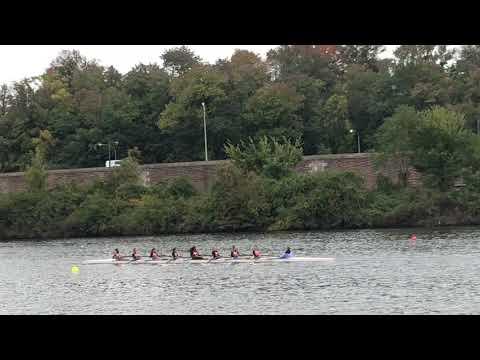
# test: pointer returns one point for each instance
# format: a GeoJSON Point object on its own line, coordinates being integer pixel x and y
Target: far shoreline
{"type": "Point", "coordinates": [414, 229]}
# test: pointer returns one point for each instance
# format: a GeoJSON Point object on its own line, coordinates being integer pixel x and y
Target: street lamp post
{"type": "Point", "coordinates": [205, 130]}
{"type": "Point", "coordinates": [115, 148]}
{"type": "Point", "coordinates": [109, 143]}
{"type": "Point", "coordinates": [358, 139]}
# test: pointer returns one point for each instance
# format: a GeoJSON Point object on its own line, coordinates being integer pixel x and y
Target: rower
{"type": "Point", "coordinates": [234, 253]}
{"type": "Point", "coordinates": [256, 253]}
{"type": "Point", "coordinates": [154, 254]}
{"type": "Point", "coordinates": [175, 255]}
{"type": "Point", "coordinates": [288, 254]}
{"type": "Point", "coordinates": [194, 254]}
{"type": "Point", "coordinates": [215, 254]}
{"type": "Point", "coordinates": [136, 255]}
{"type": "Point", "coordinates": [116, 255]}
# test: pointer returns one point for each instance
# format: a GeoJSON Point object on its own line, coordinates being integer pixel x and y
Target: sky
{"type": "Point", "coordinates": [21, 61]}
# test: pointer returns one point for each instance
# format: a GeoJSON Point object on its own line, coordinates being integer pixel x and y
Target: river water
{"type": "Point", "coordinates": [374, 272]}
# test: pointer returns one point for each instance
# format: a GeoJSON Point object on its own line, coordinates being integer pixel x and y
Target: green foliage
{"type": "Point", "coordinates": [441, 145]}
{"type": "Point", "coordinates": [434, 141]}
{"type": "Point", "coordinates": [274, 109]}
{"type": "Point", "coordinates": [152, 215]}
{"type": "Point", "coordinates": [36, 174]}
{"type": "Point", "coordinates": [179, 60]}
{"type": "Point", "coordinates": [417, 109]}
{"type": "Point", "coordinates": [333, 124]}
{"type": "Point", "coordinates": [38, 214]}
{"type": "Point", "coordinates": [93, 216]}
{"type": "Point", "coordinates": [324, 201]}
{"type": "Point", "coordinates": [364, 55]}
{"type": "Point", "coordinates": [421, 54]}
{"type": "Point", "coordinates": [395, 141]}
{"type": "Point", "coordinates": [238, 200]}
{"type": "Point", "coordinates": [269, 156]}
{"type": "Point", "coordinates": [181, 188]}
{"type": "Point", "coordinates": [128, 174]}
{"type": "Point", "coordinates": [299, 91]}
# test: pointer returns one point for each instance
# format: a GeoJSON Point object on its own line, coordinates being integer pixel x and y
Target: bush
{"type": "Point", "coordinates": [239, 200]}
{"type": "Point", "coordinates": [268, 157]}
{"type": "Point", "coordinates": [180, 188]}
{"type": "Point", "coordinates": [152, 215]}
{"type": "Point", "coordinates": [93, 216]}
{"type": "Point", "coordinates": [324, 201]}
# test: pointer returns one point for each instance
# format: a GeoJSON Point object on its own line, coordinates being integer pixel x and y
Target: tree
{"type": "Point", "coordinates": [269, 156]}
{"type": "Point", "coordinates": [274, 110]}
{"type": "Point", "coordinates": [286, 61]}
{"type": "Point", "coordinates": [5, 98]}
{"type": "Point", "coordinates": [363, 55]}
{"type": "Point", "coordinates": [370, 98]}
{"type": "Point", "coordinates": [424, 54]}
{"type": "Point", "coordinates": [245, 73]}
{"type": "Point", "coordinates": [129, 172]}
{"type": "Point", "coordinates": [395, 141]}
{"type": "Point", "coordinates": [441, 147]}
{"type": "Point", "coordinates": [469, 57]}
{"type": "Point", "coordinates": [333, 124]}
{"type": "Point", "coordinates": [434, 142]}
{"type": "Point", "coordinates": [67, 64]}
{"type": "Point", "coordinates": [36, 174]}
{"type": "Point", "coordinates": [179, 60]}
{"type": "Point", "coordinates": [466, 95]}
{"type": "Point", "coordinates": [182, 118]}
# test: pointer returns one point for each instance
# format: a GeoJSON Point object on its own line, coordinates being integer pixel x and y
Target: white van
{"type": "Point", "coordinates": [113, 163]}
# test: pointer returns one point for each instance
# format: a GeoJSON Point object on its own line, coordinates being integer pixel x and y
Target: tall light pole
{"type": "Point", "coordinates": [358, 139]}
{"type": "Point", "coordinates": [109, 143]}
{"type": "Point", "coordinates": [205, 130]}
{"type": "Point", "coordinates": [109, 153]}
{"type": "Point", "coordinates": [115, 148]}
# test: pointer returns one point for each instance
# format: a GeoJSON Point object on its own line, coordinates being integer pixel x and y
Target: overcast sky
{"type": "Point", "coordinates": [20, 61]}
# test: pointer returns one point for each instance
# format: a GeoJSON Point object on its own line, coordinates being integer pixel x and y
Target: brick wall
{"type": "Point", "coordinates": [202, 174]}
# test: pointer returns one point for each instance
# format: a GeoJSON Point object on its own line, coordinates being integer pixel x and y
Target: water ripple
{"type": "Point", "coordinates": [375, 272]}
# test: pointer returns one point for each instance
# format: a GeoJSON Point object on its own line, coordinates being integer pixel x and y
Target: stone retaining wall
{"type": "Point", "coordinates": [202, 174]}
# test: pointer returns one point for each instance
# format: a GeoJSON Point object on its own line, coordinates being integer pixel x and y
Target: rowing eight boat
{"type": "Point", "coordinates": [207, 261]}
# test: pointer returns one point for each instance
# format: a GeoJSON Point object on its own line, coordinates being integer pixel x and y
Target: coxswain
{"type": "Point", "coordinates": [175, 255]}
{"type": "Point", "coordinates": [194, 254]}
{"type": "Point", "coordinates": [136, 255]}
{"type": "Point", "coordinates": [256, 254]}
{"type": "Point", "coordinates": [154, 254]}
{"type": "Point", "coordinates": [234, 253]}
{"type": "Point", "coordinates": [215, 254]}
{"type": "Point", "coordinates": [116, 255]}
{"type": "Point", "coordinates": [288, 254]}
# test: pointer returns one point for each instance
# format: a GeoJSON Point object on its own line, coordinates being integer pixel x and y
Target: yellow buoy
{"type": "Point", "coordinates": [75, 269]}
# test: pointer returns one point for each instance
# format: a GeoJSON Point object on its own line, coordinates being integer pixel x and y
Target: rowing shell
{"type": "Point", "coordinates": [206, 261]}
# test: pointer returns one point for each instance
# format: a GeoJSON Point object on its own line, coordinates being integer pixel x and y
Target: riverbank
{"type": "Point", "coordinates": [237, 202]}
